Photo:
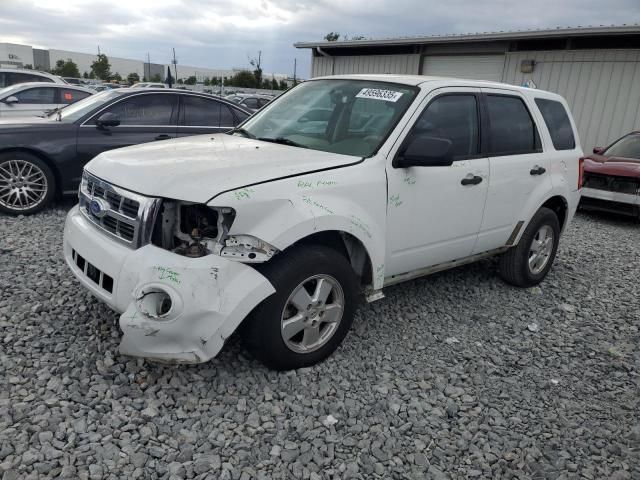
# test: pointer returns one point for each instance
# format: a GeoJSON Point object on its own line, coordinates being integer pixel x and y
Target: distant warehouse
{"type": "Point", "coordinates": [597, 69]}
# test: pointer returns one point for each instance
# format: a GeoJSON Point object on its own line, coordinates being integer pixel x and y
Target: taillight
{"type": "Point", "coordinates": [580, 172]}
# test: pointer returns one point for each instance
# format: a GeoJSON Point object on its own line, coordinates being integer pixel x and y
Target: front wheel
{"type": "Point", "coordinates": [526, 264]}
{"type": "Point", "coordinates": [310, 313]}
{"type": "Point", "coordinates": [27, 184]}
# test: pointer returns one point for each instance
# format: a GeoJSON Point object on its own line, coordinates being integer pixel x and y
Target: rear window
{"type": "Point", "coordinates": [558, 123]}
{"type": "Point", "coordinates": [512, 129]}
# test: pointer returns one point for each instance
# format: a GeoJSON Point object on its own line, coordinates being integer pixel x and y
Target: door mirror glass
{"type": "Point", "coordinates": [11, 99]}
{"type": "Point", "coordinates": [598, 150]}
{"type": "Point", "coordinates": [108, 120]}
{"type": "Point", "coordinates": [425, 151]}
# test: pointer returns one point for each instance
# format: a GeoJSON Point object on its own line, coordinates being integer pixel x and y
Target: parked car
{"type": "Point", "coordinates": [11, 76]}
{"type": "Point", "coordinates": [149, 85]}
{"type": "Point", "coordinates": [55, 148]}
{"type": "Point", "coordinates": [612, 177]}
{"type": "Point", "coordinates": [278, 231]}
{"type": "Point", "coordinates": [38, 98]}
{"type": "Point", "coordinates": [73, 81]}
{"type": "Point", "coordinates": [253, 102]}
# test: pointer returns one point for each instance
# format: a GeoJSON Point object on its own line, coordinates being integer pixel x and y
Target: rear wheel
{"type": "Point", "coordinates": [27, 184]}
{"type": "Point", "coordinates": [526, 264]}
{"type": "Point", "coordinates": [310, 313]}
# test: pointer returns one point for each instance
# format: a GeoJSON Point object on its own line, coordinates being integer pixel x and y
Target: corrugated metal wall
{"type": "Point", "coordinates": [403, 64]}
{"type": "Point", "coordinates": [476, 67]}
{"type": "Point", "coordinates": [602, 88]}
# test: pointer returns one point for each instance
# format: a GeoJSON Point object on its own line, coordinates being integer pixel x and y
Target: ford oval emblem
{"type": "Point", "coordinates": [98, 207]}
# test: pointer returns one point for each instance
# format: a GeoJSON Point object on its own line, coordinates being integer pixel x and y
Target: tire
{"type": "Point", "coordinates": [27, 184]}
{"type": "Point", "coordinates": [515, 266]}
{"type": "Point", "coordinates": [305, 267]}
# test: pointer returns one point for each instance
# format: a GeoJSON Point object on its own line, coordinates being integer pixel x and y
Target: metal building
{"type": "Point", "coordinates": [597, 69]}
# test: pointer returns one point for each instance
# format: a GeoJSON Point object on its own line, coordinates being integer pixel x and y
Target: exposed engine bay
{"type": "Point", "coordinates": [196, 230]}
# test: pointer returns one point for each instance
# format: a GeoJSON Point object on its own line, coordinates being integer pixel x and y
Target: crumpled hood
{"type": "Point", "coordinates": [616, 166]}
{"type": "Point", "coordinates": [195, 169]}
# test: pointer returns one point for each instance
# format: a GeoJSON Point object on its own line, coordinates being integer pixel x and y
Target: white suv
{"type": "Point", "coordinates": [279, 226]}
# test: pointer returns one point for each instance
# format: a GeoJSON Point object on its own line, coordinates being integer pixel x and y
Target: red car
{"type": "Point", "coordinates": [611, 180]}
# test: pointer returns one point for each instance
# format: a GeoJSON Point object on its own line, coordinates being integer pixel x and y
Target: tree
{"type": "Point", "coordinates": [283, 85]}
{"type": "Point", "coordinates": [101, 68]}
{"type": "Point", "coordinates": [133, 77]}
{"type": "Point", "coordinates": [256, 63]}
{"type": "Point", "coordinates": [207, 82]}
{"type": "Point", "coordinates": [180, 81]}
{"type": "Point", "coordinates": [332, 36]}
{"type": "Point", "coordinates": [85, 75]}
{"type": "Point", "coordinates": [66, 69]}
{"type": "Point", "coordinates": [357, 37]}
{"type": "Point", "coordinates": [243, 78]}
{"type": "Point", "coordinates": [274, 84]}
{"type": "Point", "coordinates": [156, 78]}
{"type": "Point", "coordinates": [117, 77]}
{"type": "Point", "coordinates": [191, 80]}
{"type": "Point", "coordinates": [28, 66]}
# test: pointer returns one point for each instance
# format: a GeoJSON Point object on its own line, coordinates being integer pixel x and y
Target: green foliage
{"type": "Point", "coordinates": [243, 78]}
{"type": "Point", "coordinates": [85, 75]}
{"type": "Point", "coordinates": [283, 85]}
{"type": "Point", "coordinates": [66, 69]}
{"type": "Point", "coordinates": [274, 84]}
{"type": "Point", "coordinates": [133, 77]}
{"type": "Point", "coordinates": [28, 66]}
{"type": "Point", "coordinates": [332, 36]}
{"type": "Point", "coordinates": [180, 81]}
{"type": "Point", "coordinates": [101, 68]}
{"type": "Point", "coordinates": [156, 78]}
{"type": "Point", "coordinates": [117, 77]}
{"type": "Point", "coordinates": [191, 80]}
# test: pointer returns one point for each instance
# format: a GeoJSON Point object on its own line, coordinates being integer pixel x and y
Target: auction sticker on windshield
{"type": "Point", "coordinates": [379, 94]}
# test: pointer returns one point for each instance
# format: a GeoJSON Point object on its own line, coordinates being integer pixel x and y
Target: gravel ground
{"type": "Point", "coordinates": [452, 376]}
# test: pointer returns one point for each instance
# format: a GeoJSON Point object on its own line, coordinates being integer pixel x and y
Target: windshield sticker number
{"type": "Point", "coordinates": [378, 94]}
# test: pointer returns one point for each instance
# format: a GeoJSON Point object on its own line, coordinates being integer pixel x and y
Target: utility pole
{"type": "Point", "coordinates": [98, 50]}
{"type": "Point", "coordinates": [148, 69]}
{"type": "Point", "coordinates": [295, 65]}
{"type": "Point", "coordinates": [175, 65]}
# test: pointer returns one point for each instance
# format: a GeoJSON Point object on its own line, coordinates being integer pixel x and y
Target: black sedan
{"type": "Point", "coordinates": [43, 157]}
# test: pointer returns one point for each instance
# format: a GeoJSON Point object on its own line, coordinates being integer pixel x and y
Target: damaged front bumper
{"type": "Point", "coordinates": [608, 201]}
{"type": "Point", "coordinates": [173, 308]}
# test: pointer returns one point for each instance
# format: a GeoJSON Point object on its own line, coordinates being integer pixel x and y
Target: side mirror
{"type": "Point", "coordinates": [598, 150]}
{"type": "Point", "coordinates": [424, 151]}
{"type": "Point", "coordinates": [108, 120]}
{"type": "Point", "coordinates": [11, 99]}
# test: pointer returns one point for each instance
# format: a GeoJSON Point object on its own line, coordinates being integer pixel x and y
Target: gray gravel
{"type": "Point", "coordinates": [452, 376]}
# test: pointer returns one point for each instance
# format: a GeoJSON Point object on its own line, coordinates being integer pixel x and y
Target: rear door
{"type": "Point", "coordinates": [31, 102]}
{"type": "Point", "coordinates": [202, 115]}
{"type": "Point", "coordinates": [67, 96]}
{"type": "Point", "coordinates": [520, 171]}
{"type": "Point", "coordinates": [144, 117]}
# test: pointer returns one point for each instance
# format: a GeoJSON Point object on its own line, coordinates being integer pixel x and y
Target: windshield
{"type": "Point", "coordinates": [350, 117]}
{"type": "Point", "coordinates": [626, 147]}
{"type": "Point", "coordinates": [81, 108]}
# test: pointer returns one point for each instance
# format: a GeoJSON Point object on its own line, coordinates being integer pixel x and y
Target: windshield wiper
{"type": "Point", "coordinates": [243, 132]}
{"type": "Point", "coordinates": [282, 141]}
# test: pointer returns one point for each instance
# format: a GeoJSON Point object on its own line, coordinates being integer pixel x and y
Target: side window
{"type": "Point", "coordinates": [69, 96]}
{"type": "Point", "coordinates": [251, 102]}
{"type": "Point", "coordinates": [4, 80]}
{"type": "Point", "coordinates": [454, 118]}
{"type": "Point", "coordinates": [262, 102]}
{"type": "Point", "coordinates": [558, 124]}
{"type": "Point", "coordinates": [512, 129]}
{"type": "Point", "coordinates": [26, 77]}
{"type": "Point", "coordinates": [150, 110]}
{"type": "Point", "coordinates": [41, 95]}
{"type": "Point", "coordinates": [202, 112]}
{"type": "Point", "coordinates": [240, 116]}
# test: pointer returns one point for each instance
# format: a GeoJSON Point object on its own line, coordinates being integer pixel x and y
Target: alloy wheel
{"type": "Point", "coordinates": [541, 249]}
{"type": "Point", "coordinates": [23, 185]}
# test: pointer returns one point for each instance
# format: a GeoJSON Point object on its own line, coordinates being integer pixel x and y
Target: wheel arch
{"type": "Point", "coordinates": [45, 158]}
{"type": "Point", "coordinates": [559, 205]}
{"type": "Point", "coordinates": [346, 244]}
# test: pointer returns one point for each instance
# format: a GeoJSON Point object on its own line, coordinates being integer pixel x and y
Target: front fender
{"type": "Point", "coordinates": [282, 212]}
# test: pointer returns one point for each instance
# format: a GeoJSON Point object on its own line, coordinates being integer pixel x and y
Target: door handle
{"type": "Point", "coordinates": [537, 170]}
{"type": "Point", "coordinates": [163, 137]}
{"type": "Point", "coordinates": [471, 180]}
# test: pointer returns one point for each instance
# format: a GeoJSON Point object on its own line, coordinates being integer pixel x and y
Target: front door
{"type": "Point", "coordinates": [31, 102]}
{"type": "Point", "coordinates": [143, 118]}
{"type": "Point", "coordinates": [434, 213]}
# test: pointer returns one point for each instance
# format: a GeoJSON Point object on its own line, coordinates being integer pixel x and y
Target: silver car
{"type": "Point", "coordinates": [37, 98]}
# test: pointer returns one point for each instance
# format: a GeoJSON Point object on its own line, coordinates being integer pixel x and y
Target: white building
{"type": "Point", "coordinates": [13, 55]}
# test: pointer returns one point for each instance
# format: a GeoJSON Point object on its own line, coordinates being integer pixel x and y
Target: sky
{"type": "Point", "coordinates": [226, 33]}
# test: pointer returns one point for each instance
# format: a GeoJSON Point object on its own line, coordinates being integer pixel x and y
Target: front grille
{"type": "Point", "coordinates": [97, 276]}
{"type": "Point", "coordinates": [612, 183]}
{"type": "Point", "coordinates": [129, 217]}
